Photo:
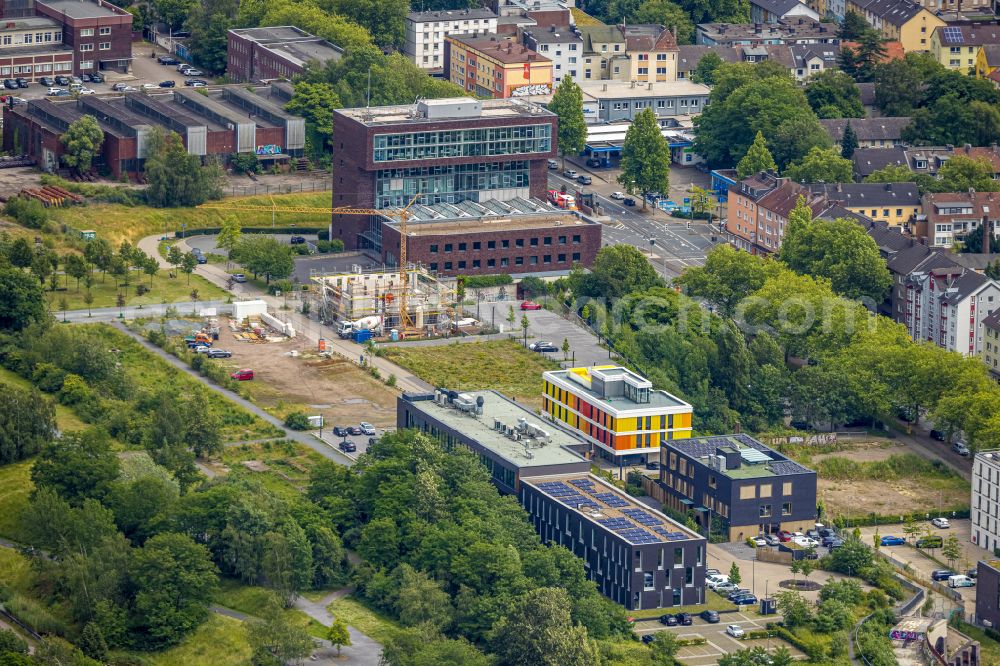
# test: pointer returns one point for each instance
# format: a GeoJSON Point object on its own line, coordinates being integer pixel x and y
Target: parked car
{"type": "Point", "coordinates": [712, 572]}
{"type": "Point", "coordinates": [246, 374]}
{"type": "Point", "coordinates": [725, 588]}
{"type": "Point", "coordinates": [771, 540]}
{"type": "Point", "coordinates": [570, 173]}
{"type": "Point", "coordinates": [339, 431]}
{"type": "Point", "coordinates": [593, 162]}
{"type": "Point", "coordinates": [167, 84]}
{"type": "Point", "coordinates": [97, 77]}
{"type": "Point", "coordinates": [735, 631]}
{"type": "Point", "coordinates": [942, 574]}
{"type": "Point", "coordinates": [714, 581]}
{"type": "Point", "coordinates": [972, 573]}
{"type": "Point", "coordinates": [297, 240]}
{"type": "Point", "coordinates": [813, 534]}
{"type": "Point", "coordinates": [347, 446]}
{"type": "Point", "coordinates": [710, 616]}
{"type": "Point", "coordinates": [76, 79]}
{"type": "Point", "coordinates": [195, 83]}
{"type": "Point", "coordinates": [354, 430]}
{"type": "Point", "coordinates": [940, 522]}
{"type": "Point", "coordinates": [960, 448]}
{"type": "Point", "coordinates": [552, 164]}
{"type": "Point", "coordinates": [47, 81]}
{"type": "Point", "coordinates": [57, 92]}
{"type": "Point", "coordinates": [129, 89]}
{"type": "Point", "coordinates": [22, 82]}
{"type": "Point", "coordinates": [119, 87]}
{"type": "Point", "coordinates": [959, 580]}
{"type": "Point", "coordinates": [835, 543]}
{"type": "Point", "coordinates": [668, 620]}
{"type": "Point", "coordinates": [784, 536]}
{"type": "Point", "coordinates": [184, 66]}
{"type": "Point", "coordinates": [759, 540]}
{"type": "Point", "coordinates": [827, 531]}
{"type": "Point", "coordinates": [62, 80]}
{"type": "Point", "coordinates": [617, 196]}
{"type": "Point", "coordinates": [367, 428]}
{"type": "Point", "coordinates": [530, 305]}
{"type": "Point", "coordinates": [86, 91]}
{"type": "Point", "coordinates": [629, 202]}
{"type": "Point", "coordinates": [893, 541]}
{"type": "Point", "coordinates": [938, 435]}
{"type": "Point", "coordinates": [805, 541]}
{"type": "Point", "coordinates": [219, 353]}
{"type": "Point", "coordinates": [933, 541]}
{"type": "Point", "coordinates": [239, 277]}
{"type": "Point", "coordinates": [543, 347]}
{"type": "Point", "coordinates": [15, 101]}
{"type": "Point", "coordinates": [202, 349]}
{"type": "Point", "coordinates": [828, 539]}
{"type": "Point", "coordinates": [372, 441]}
{"type": "Point", "coordinates": [167, 60]}
{"type": "Point", "coordinates": [745, 600]}
{"type": "Point", "coordinates": [652, 464]}
{"type": "Point", "coordinates": [738, 592]}
{"type": "Point", "coordinates": [684, 619]}
{"type": "Point", "coordinates": [584, 180]}
{"type": "Point", "coordinates": [191, 71]}
{"type": "Point", "coordinates": [647, 638]}
{"type": "Point", "coordinates": [10, 84]}
{"type": "Point", "coordinates": [202, 259]}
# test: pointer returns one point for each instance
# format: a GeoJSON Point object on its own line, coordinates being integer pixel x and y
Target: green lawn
{"type": "Point", "coordinates": [105, 292]}
{"type": "Point", "coordinates": [503, 365]}
{"type": "Point", "coordinates": [220, 641]}
{"type": "Point", "coordinates": [369, 622]}
{"type": "Point", "coordinates": [15, 485]}
{"type": "Point", "coordinates": [251, 599]}
{"type": "Point", "coordinates": [116, 222]}
{"type": "Point", "coordinates": [15, 571]}
{"type": "Point", "coordinates": [289, 464]}
{"type": "Point", "coordinates": [66, 418]}
{"type": "Point", "coordinates": [713, 601]}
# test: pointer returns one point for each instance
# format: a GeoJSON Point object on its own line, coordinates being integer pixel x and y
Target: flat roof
{"type": "Point", "coordinates": [274, 33]}
{"type": "Point", "coordinates": [580, 383]}
{"type": "Point", "coordinates": [756, 459]}
{"type": "Point", "coordinates": [451, 15]}
{"type": "Point", "coordinates": [29, 22]}
{"type": "Point", "coordinates": [492, 109]}
{"type": "Point", "coordinates": [79, 9]}
{"type": "Point", "coordinates": [526, 453]}
{"type": "Point", "coordinates": [627, 89]}
{"type": "Point", "coordinates": [610, 509]}
{"type": "Point", "coordinates": [301, 52]}
{"type": "Point", "coordinates": [434, 228]}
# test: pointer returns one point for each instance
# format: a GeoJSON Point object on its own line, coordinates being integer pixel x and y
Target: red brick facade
{"type": "Point", "coordinates": [101, 39]}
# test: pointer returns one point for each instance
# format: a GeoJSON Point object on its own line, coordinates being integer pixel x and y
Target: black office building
{"type": "Point", "coordinates": [637, 556]}
{"type": "Point", "coordinates": [737, 484]}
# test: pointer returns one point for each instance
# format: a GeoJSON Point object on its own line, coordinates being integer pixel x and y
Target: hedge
{"type": "Point", "coordinates": [893, 519]}
{"type": "Point", "coordinates": [486, 281]}
{"type": "Point", "coordinates": [685, 642]}
{"type": "Point", "coordinates": [210, 231]}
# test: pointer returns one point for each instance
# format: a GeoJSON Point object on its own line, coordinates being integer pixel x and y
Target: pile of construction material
{"type": "Point", "coordinates": [50, 195]}
{"type": "Point", "coordinates": [251, 323]}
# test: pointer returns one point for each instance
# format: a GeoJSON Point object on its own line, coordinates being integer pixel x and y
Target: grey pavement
{"type": "Point", "coordinates": [308, 440]}
{"type": "Point", "coordinates": [547, 326]}
{"type": "Point", "coordinates": [363, 650]}
{"type": "Point", "coordinates": [136, 312]}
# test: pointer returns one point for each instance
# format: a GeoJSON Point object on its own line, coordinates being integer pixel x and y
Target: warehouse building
{"type": "Point", "coordinates": [276, 52]}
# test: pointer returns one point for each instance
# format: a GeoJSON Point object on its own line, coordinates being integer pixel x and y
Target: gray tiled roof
{"type": "Point", "coordinates": [869, 194]}
{"type": "Point", "coordinates": [867, 129]}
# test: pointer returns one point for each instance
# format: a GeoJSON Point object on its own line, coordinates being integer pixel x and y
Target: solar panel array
{"type": "Point", "coordinates": [782, 467]}
{"type": "Point", "coordinates": [952, 35]}
{"type": "Point", "coordinates": [585, 494]}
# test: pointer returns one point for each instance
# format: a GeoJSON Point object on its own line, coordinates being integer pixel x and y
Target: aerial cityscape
{"type": "Point", "coordinates": [500, 333]}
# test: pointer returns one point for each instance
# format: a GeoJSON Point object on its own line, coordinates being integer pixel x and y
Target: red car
{"type": "Point", "coordinates": [243, 375]}
{"type": "Point", "coordinates": [784, 536]}
{"type": "Point", "coordinates": [530, 305]}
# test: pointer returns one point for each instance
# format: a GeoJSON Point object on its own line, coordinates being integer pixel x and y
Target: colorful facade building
{"type": "Point", "coordinates": [904, 21]}
{"type": "Point", "coordinates": [496, 68]}
{"type": "Point", "coordinates": [616, 410]}
{"type": "Point", "coordinates": [958, 46]}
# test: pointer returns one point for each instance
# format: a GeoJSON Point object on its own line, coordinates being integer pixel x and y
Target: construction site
{"type": "Point", "coordinates": [416, 304]}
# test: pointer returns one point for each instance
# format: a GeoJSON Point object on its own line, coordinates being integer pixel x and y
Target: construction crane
{"type": "Point", "coordinates": [401, 215]}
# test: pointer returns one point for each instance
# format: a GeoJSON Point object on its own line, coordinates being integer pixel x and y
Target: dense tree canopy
{"type": "Point", "coordinates": [177, 178]}
{"type": "Point", "coordinates": [821, 165]}
{"type": "Point", "coordinates": [617, 269]}
{"type": "Point", "coordinates": [645, 162]}
{"type": "Point", "coordinates": [758, 158]}
{"type": "Point", "coordinates": [262, 255]}
{"type": "Point", "coordinates": [27, 423]}
{"type": "Point", "coordinates": [81, 143]}
{"type": "Point", "coordinates": [833, 94]}
{"type": "Point", "coordinates": [567, 103]}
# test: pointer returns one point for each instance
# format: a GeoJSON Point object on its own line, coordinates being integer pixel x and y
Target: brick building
{"type": "Point", "coordinates": [496, 68]}
{"type": "Point", "coordinates": [99, 33]}
{"type": "Point", "coordinates": [225, 121]}
{"type": "Point", "coordinates": [277, 52]}
{"type": "Point", "coordinates": [758, 211]}
{"type": "Point", "coordinates": [479, 168]}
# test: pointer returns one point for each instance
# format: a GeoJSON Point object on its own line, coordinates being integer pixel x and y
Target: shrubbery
{"type": "Point", "coordinates": [297, 421]}
{"type": "Point", "coordinates": [27, 212]}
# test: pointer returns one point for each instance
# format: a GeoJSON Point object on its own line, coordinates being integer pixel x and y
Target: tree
{"type": "Point", "coordinates": [664, 647]}
{"type": "Point", "coordinates": [524, 327]}
{"type": "Point", "coordinates": [81, 143]}
{"type": "Point", "coordinates": [567, 103]}
{"type": "Point", "coordinates": [338, 634]}
{"type": "Point", "coordinates": [645, 163]}
{"type": "Point", "coordinates": [173, 12]}
{"type": "Point", "coordinates": [92, 643]}
{"type": "Point", "coordinates": [201, 427]}
{"type": "Point", "coordinates": [704, 72]}
{"type": "Point", "coordinates": [793, 608]}
{"type": "Point", "coordinates": [833, 94]}
{"type": "Point", "coordinates": [734, 574]}
{"type": "Point", "coordinates": [952, 549]}
{"type": "Point", "coordinates": [315, 102]}
{"type": "Point", "coordinates": [822, 165]}
{"type": "Point", "coordinates": [853, 26]}
{"type": "Point", "coordinates": [960, 173]}
{"type": "Point", "coordinates": [848, 142]}
{"type": "Point", "coordinates": [861, 62]}
{"type": "Point", "coordinates": [727, 278]}
{"type": "Point", "coordinates": [911, 529]}
{"type": "Point", "coordinates": [188, 264]}
{"type": "Point", "coordinates": [617, 270]}
{"type": "Point", "coordinates": [262, 255]}
{"type": "Point", "coordinates": [758, 158]}
{"type": "Point", "coordinates": [538, 630]}
{"type": "Point", "coordinates": [511, 317]}
{"type": "Point", "coordinates": [565, 348]}
{"type": "Point", "coordinates": [176, 178]}
{"type": "Point", "coordinates": [174, 579]}
{"type": "Point", "coordinates": [79, 466]}
{"type": "Point", "coordinates": [667, 13]}
{"type": "Point", "coordinates": [27, 423]}
{"type": "Point", "coordinates": [88, 300]}
{"type": "Point", "coordinates": [99, 253]}
{"type": "Point", "coordinates": [175, 257]}
{"type": "Point", "coordinates": [902, 85]}
{"type": "Point", "coordinates": [20, 253]}
{"type": "Point", "coordinates": [209, 22]}
{"type": "Point", "coordinates": [275, 640]}
{"type": "Point", "coordinates": [384, 19]}
{"type": "Point", "coordinates": [150, 266]}
{"type": "Point", "coordinates": [230, 235]}
{"type": "Point", "coordinates": [21, 300]}
{"type": "Point", "coordinates": [75, 266]}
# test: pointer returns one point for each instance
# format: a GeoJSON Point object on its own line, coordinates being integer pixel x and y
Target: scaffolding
{"type": "Point", "coordinates": [365, 293]}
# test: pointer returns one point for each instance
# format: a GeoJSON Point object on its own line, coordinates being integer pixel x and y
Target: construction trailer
{"type": "Point", "coordinates": [361, 293]}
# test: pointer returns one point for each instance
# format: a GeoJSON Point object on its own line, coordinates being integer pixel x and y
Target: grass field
{"type": "Point", "coordinates": [220, 641]}
{"type": "Point", "coordinates": [15, 485]}
{"type": "Point", "coordinates": [251, 600]}
{"type": "Point", "coordinates": [15, 571]}
{"type": "Point", "coordinates": [369, 622]}
{"type": "Point", "coordinates": [116, 223]}
{"type": "Point", "coordinates": [66, 418]}
{"type": "Point", "coordinates": [164, 290]}
{"type": "Point", "coordinates": [503, 365]}
{"type": "Point", "coordinates": [713, 601]}
{"type": "Point", "coordinates": [288, 464]}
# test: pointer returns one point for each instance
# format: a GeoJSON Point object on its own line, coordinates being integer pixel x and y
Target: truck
{"type": "Point", "coordinates": [960, 581]}
{"type": "Point", "coordinates": [347, 329]}
{"type": "Point", "coordinates": [199, 339]}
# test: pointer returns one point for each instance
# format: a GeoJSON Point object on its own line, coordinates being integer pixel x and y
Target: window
{"type": "Point", "coordinates": [534, 242]}
{"type": "Point", "coordinates": [518, 242]}
{"type": "Point", "coordinates": [765, 490]}
{"type": "Point", "coordinates": [562, 258]}
{"type": "Point", "coordinates": [748, 492]}
{"type": "Point", "coordinates": [712, 482]}
{"type": "Point", "coordinates": [491, 245]}
{"type": "Point", "coordinates": [765, 510]}
{"type": "Point", "coordinates": [786, 509]}
{"type": "Point", "coordinates": [87, 32]}
{"type": "Point", "coordinates": [519, 261]}
{"type": "Point", "coordinates": [433, 266]}
{"type": "Point", "coordinates": [86, 47]}
{"type": "Point", "coordinates": [434, 249]}
{"type": "Point", "coordinates": [678, 557]}
{"type": "Point", "coordinates": [447, 247]}
{"type": "Point", "coordinates": [576, 239]}
{"type": "Point", "coordinates": [505, 243]}
{"type": "Point", "coordinates": [647, 580]}
{"type": "Point", "coordinates": [491, 263]}
{"type": "Point", "coordinates": [786, 488]}
{"type": "Point", "coordinates": [476, 263]}
{"type": "Point", "coordinates": [576, 256]}
{"type": "Point", "coordinates": [105, 31]}
{"type": "Point", "coordinates": [461, 247]}
{"type": "Point", "coordinates": [477, 245]}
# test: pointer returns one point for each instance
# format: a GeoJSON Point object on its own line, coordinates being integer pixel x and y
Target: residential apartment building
{"type": "Point", "coordinates": [901, 20]}
{"type": "Point", "coordinates": [276, 52]}
{"type": "Point", "coordinates": [624, 100]}
{"type": "Point", "coordinates": [563, 46]}
{"type": "Point", "coordinates": [509, 439]}
{"type": "Point", "coordinates": [957, 46]}
{"type": "Point", "coordinates": [616, 411]}
{"type": "Point", "coordinates": [689, 55]}
{"type": "Point", "coordinates": [426, 32]}
{"type": "Point", "coordinates": [921, 159]}
{"type": "Point", "coordinates": [893, 203]}
{"type": "Point", "coordinates": [637, 556]}
{"type": "Point", "coordinates": [991, 343]}
{"type": "Point", "coordinates": [947, 306]}
{"type": "Point", "coordinates": [791, 31]}
{"type": "Point", "coordinates": [801, 60]}
{"type": "Point", "coordinates": [641, 53]}
{"type": "Point", "coordinates": [603, 51]}
{"type": "Point", "coordinates": [948, 217]}
{"type": "Point", "coordinates": [736, 485]}
{"type": "Point", "coordinates": [758, 211]}
{"type": "Point", "coordinates": [772, 11]}
{"type": "Point", "coordinates": [496, 68]}
{"type": "Point", "coordinates": [985, 508]}
{"type": "Point", "coordinates": [871, 132]}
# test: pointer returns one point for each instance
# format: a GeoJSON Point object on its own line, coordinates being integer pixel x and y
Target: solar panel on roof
{"type": "Point", "coordinates": [952, 35]}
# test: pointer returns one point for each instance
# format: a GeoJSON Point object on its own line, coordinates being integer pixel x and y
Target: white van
{"type": "Point", "coordinates": [960, 581]}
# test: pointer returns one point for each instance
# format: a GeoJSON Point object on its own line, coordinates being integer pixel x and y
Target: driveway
{"type": "Point", "coordinates": [548, 326]}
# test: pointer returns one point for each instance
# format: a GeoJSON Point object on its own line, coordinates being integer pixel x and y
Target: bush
{"type": "Point", "coordinates": [325, 246]}
{"type": "Point", "coordinates": [244, 163]}
{"type": "Point", "coordinates": [48, 377]}
{"type": "Point", "coordinates": [36, 616]}
{"type": "Point", "coordinates": [297, 421]}
{"type": "Point", "coordinates": [74, 390]}
{"type": "Point", "coordinates": [486, 281]}
{"type": "Point", "coordinates": [141, 289]}
{"type": "Point", "coordinates": [391, 381]}
{"type": "Point", "coordinates": [28, 212]}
